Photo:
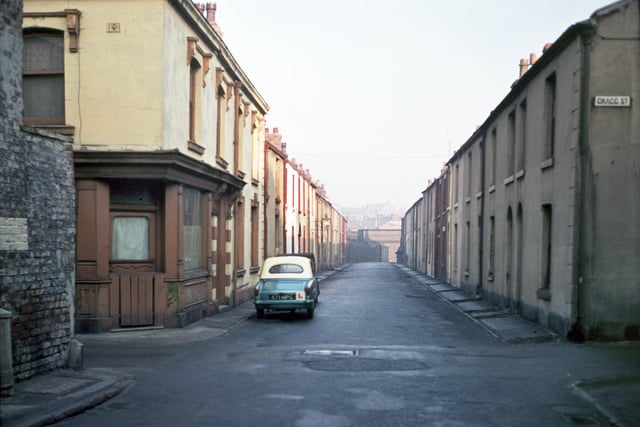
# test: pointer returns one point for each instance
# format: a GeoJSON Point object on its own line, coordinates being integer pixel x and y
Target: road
{"type": "Point", "coordinates": [382, 350]}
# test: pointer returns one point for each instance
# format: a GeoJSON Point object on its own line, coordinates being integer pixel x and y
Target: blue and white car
{"type": "Point", "coordinates": [287, 283]}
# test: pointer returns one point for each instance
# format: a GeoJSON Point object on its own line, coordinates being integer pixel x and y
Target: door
{"type": "Point", "coordinates": [133, 266]}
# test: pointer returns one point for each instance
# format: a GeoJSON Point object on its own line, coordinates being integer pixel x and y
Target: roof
{"type": "Point", "coordinates": [302, 261]}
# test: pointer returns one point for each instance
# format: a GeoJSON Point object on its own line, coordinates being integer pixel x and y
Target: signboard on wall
{"type": "Point", "coordinates": [612, 101]}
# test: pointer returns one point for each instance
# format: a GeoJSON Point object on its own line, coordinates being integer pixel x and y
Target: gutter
{"type": "Point", "coordinates": [479, 286]}
{"type": "Point", "coordinates": [576, 333]}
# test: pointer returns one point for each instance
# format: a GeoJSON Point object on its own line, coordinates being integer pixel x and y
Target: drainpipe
{"type": "Point", "coordinates": [479, 286]}
{"type": "Point", "coordinates": [577, 333]}
{"type": "Point", "coordinates": [6, 362]}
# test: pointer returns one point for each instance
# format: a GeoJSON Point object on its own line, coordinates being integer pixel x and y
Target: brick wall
{"type": "Point", "coordinates": [37, 221]}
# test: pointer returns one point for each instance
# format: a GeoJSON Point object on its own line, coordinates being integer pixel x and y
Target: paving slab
{"type": "Point", "coordinates": [442, 287]}
{"type": "Point", "coordinates": [515, 329]}
{"type": "Point", "coordinates": [455, 296]}
{"type": "Point", "coordinates": [476, 306]}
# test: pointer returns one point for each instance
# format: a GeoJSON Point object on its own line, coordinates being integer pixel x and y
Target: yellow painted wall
{"type": "Point", "coordinates": [113, 82]}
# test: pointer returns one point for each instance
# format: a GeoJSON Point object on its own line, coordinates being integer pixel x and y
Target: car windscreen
{"type": "Point", "coordinates": [285, 269]}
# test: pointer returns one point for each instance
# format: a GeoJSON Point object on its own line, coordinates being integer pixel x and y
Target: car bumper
{"type": "Point", "coordinates": [283, 305]}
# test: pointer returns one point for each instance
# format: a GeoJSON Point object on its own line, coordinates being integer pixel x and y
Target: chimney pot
{"type": "Point", "coordinates": [275, 130]}
{"type": "Point", "coordinates": [547, 47]}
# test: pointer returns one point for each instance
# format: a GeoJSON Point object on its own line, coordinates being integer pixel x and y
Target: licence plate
{"type": "Point", "coordinates": [283, 297]}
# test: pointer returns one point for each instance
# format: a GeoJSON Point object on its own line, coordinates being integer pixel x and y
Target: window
{"type": "Point", "coordinates": [192, 229]}
{"type": "Point", "coordinates": [549, 117]}
{"type": "Point", "coordinates": [221, 118]}
{"type": "Point", "coordinates": [254, 234]}
{"type": "Point", "coordinates": [522, 138]}
{"type": "Point", "coordinates": [455, 184]}
{"type": "Point", "coordinates": [547, 226]}
{"type": "Point", "coordinates": [494, 147]}
{"type": "Point", "coordinates": [286, 269]}
{"type": "Point", "coordinates": [194, 103]}
{"type": "Point", "coordinates": [492, 246]}
{"type": "Point", "coordinates": [130, 238]}
{"type": "Point", "coordinates": [467, 249]}
{"type": "Point", "coordinates": [239, 234]}
{"type": "Point", "coordinates": [469, 177]}
{"type": "Point", "coordinates": [43, 77]}
{"type": "Point", "coordinates": [511, 143]}
{"type": "Point", "coordinates": [455, 247]}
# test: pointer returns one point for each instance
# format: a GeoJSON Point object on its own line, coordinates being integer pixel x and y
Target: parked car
{"type": "Point", "coordinates": [287, 283]}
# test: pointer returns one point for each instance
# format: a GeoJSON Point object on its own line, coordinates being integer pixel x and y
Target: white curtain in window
{"type": "Point", "coordinates": [130, 239]}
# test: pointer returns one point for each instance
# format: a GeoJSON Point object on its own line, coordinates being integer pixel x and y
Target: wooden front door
{"type": "Point", "coordinates": [133, 266]}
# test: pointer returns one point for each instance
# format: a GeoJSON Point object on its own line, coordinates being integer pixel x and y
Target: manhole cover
{"type": "Point", "coordinates": [330, 352]}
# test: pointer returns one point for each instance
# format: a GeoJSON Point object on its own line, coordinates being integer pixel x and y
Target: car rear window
{"type": "Point", "coordinates": [286, 268]}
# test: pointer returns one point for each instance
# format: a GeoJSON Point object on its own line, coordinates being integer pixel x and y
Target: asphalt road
{"type": "Point", "coordinates": [381, 351]}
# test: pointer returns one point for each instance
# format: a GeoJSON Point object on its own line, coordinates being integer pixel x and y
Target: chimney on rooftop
{"type": "Point", "coordinates": [211, 17]}
{"type": "Point", "coordinates": [524, 66]}
{"type": "Point", "coordinates": [211, 13]}
{"type": "Point", "coordinates": [275, 130]}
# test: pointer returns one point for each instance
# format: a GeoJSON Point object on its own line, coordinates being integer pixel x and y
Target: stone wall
{"type": "Point", "coordinates": [37, 221]}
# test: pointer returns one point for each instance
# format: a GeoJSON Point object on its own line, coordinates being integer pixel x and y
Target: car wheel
{"type": "Point", "coordinates": [260, 313]}
{"type": "Point", "coordinates": [310, 311]}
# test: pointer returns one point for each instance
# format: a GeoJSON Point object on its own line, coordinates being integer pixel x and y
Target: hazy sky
{"type": "Point", "coordinates": [374, 96]}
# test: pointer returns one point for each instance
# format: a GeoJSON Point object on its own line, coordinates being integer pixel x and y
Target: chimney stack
{"type": "Point", "coordinates": [524, 66]}
{"type": "Point", "coordinates": [211, 13]}
{"type": "Point", "coordinates": [211, 16]}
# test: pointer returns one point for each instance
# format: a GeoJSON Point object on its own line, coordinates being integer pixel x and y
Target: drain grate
{"type": "Point", "coordinates": [330, 352]}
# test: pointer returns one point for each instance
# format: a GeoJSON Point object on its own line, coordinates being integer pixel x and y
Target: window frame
{"type": "Point", "coordinates": [32, 32]}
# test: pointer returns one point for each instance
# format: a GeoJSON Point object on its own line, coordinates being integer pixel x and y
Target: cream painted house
{"type": "Point", "coordinates": [168, 155]}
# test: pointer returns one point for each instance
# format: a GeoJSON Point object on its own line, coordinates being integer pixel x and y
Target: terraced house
{"type": "Point", "coordinates": [168, 133]}
{"type": "Point", "coordinates": [543, 206]}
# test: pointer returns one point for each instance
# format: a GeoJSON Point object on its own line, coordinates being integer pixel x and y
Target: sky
{"type": "Point", "coordinates": [373, 96]}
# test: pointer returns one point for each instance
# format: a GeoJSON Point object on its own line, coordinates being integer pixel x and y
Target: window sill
{"type": "Point", "coordinates": [544, 294]}
{"type": "Point", "coordinates": [508, 180]}
{"type": "Point", "coordinates": [546, 163]}
{"type": "Point", "coordinates": [61, 129]}
{"type": "Point", "coordinates": [466, 273]}
{"type": "Point", "coordinates": [222, 162]}
{"type": "Point", "coordinates": [479, 195]}
{"type": "Point", "coordinates": [255, 269]}
{"type": "Point", "coordinates": [520, 174]}
{"type": "Point", "coordinates": [241, 272]}
{"type": "Point", "coordinates": [490, 277]}
{"type": "Point", "coordinates": [467, 200]}
{"type": "Point", "coordinates": [195, 147]}
{"type": "Point", "coordinates": [492, 189]}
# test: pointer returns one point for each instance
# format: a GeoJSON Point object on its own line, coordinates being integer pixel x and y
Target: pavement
{"type": "Point", "coordinates": [49, 398]}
